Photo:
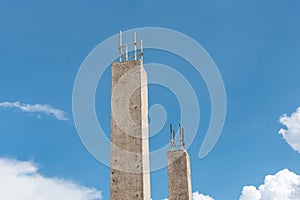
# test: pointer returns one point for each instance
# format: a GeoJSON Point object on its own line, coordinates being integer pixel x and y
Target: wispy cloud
{"type": "Point", "coordinates": [21, 180]}
{"type": "Point", "coordinates": [36, 108]}
{"type": "Point", "coordinates": [292, 133]}
{"type": "Point", "coordinates": [283, 185]}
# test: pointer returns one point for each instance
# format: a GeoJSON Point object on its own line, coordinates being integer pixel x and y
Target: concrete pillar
{"type": "Point", "coordinates": [179, 175]}
{"type": "Point", "coordinates": [130, 176]}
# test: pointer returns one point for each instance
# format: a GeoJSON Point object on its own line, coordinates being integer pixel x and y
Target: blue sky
{"type": "Point", "coordinates": [255, 45]}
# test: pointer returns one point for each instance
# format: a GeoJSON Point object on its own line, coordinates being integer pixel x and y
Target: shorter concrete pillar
{"type": "Point", "coordinates": [179, 175]}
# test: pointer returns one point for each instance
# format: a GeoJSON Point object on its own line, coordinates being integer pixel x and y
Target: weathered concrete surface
{"type": "Point", "coordinates": [129, 178]}
{"type": "Point", "coordinates": [179, 175]}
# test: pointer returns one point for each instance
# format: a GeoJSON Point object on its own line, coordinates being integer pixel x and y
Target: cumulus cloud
{"type": "Point", "coordinates": [292, 133]}
{"type": "Point", "coordinates": [199, 196]}
{"type": "Point", "coordinates": [250, 193]}
{"type": "Point", "coordinates": [284, 185]}
{"type": "Point", "coordinates": [35, 108]}
{"type": "Point", "coordinates": [21, 180]}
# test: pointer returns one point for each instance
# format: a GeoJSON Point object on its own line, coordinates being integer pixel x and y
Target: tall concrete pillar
{"type": "Point", "coordinates": [179, 175]}
{"type": "Point", "coordinates": [130, 176]}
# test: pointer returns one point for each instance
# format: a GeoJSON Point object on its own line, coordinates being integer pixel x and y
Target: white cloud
{"type": "Point", "coordinates": [36, 108]}
{"type": "Point", "coordinates": [21, 180]}
{"type": "Point", "coordinates": [284, 185]}
{"type": "Point", "coordinates": [292, 133]}
{"type": "Point", "coordinates": [250, 193]}
{"type": "Point", "coordinates": [198, 196]}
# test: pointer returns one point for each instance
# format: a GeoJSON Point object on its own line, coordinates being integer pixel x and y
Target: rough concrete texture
{"type": "Point", "coordinates": [179, 175]}
{"type": "Point", "coordinates": [129, 178]}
